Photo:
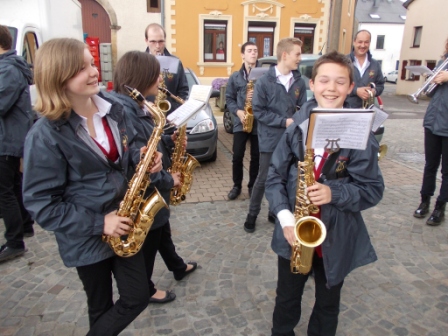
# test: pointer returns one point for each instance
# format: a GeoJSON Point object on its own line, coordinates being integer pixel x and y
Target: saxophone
{"type": "Point", "coordinates": [310, 231]}
{"type": "Point", "coordinates": [161, 102]}
{"type": "Point", "coordinates": [181, 161]}
{"type": "Point", "coordinates": [141, 211]}
{"type": "Point", "coordinates": [248, 120]}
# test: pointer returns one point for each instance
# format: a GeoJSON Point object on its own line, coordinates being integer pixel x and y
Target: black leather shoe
{"type": "Point", "coordinates": [185, 273]}
{"type": "Point", "coordinates": [8, 253]}
{"type": "Point", "coordinates": [271, 218]}
{"type": "Point", "coordinates": [423, 208]}
{"type": "Point", "coordinates": [249, 224]}
{"type": "Point", "coordinates": [234, 193]}
{"type": "Point", "coordinates": [28, 234]}
{"type": "Point", "coordinates": [437, 215]}
{"type": "Point", "coordinates": [169, 296]}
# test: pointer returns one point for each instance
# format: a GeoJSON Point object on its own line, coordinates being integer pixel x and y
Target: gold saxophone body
{"type": "Point", "coordinates": [161, 102]}
{"type": "Point", "coordinates": [310, 231]}
{"type": "Point", "coordinates": [141, 211]}
{"type": "Point", "coordinates": [248, 120]}
{"type": "Point", "coordinates": [181, 161]}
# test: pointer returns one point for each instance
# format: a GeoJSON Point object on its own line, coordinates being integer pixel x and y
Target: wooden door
{"type": "Point", "coordinates": [264, 42]}
{"type": "Point", "coordinates": [95, 20]}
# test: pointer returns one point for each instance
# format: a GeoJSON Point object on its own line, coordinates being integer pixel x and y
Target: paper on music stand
{"type": "Point", "coordinates": [199, 96]}
{"type": "Point", "coordinates": [350, 127]}
{"type": "Point", "coordinates": [418, 70]}
{"type": "Point", "coordinates": [256, 73]}
{"type": "Point", "coordinates": [380, 117]}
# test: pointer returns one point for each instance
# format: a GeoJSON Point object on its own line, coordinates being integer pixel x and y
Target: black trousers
{"type": "Point", "coordinates": [239, 148]}
{"type": "Point", "coordinates": [160, 240]}
{"type": "Point", "coordinates": [105, 317]}
{"type": "Point", "coordinates": [287, 311]}
{"type": "Point", "coordinates": [436, 150]}
{"type": "Point", "coordinates": [14, 214]}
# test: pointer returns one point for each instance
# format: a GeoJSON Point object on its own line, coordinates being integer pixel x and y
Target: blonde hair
{"type": "Point", "coordinates": [57, 61]}
{"type": "Point", "coordinates": [286, 45]}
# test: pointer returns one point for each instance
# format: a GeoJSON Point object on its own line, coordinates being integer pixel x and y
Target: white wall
{"type": "Point", "coordinates": [133, 18]}
{"type": "Point", "coordinates": [392, 43]}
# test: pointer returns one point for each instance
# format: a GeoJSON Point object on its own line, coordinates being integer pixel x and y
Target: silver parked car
{"type": "Point", "coordinates": [391, 76]}
{"type": "Point", "coordinates": [202, 129]}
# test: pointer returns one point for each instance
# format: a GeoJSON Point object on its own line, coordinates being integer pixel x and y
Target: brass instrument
{"type": "Point", "coordinates": [310, 231]}
{"type": "Point", "coordinates": [248, 120]}
{"type": "Point", "coordinates": [161, 102]}
{"type": "Point", "coordinates": [141, 211]}
{"type": "Point", "coordinates": [181, 161]}
{"type": "Point", "coordinates": [369, 101]}
{"type": "Point", "coordinates": [429, 86]}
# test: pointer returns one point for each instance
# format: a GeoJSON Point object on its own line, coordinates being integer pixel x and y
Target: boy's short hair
{"type": "Point", "coordinates": [286, 45]}
{"type": "Point", "coordinates": [5, 38]}
{"type": "Point", "coordinates": [154, 26]}
{"type": "Point", "coordinates": [336, 58]}
{"type": "Point", "coordinates": [136, 69]}
{"type": "Point", "coordinates": [248, 43]}
{"type": "Point", "coordinates": [57, 61]}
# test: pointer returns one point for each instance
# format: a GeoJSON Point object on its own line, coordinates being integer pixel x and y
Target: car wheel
{"type": "Point", "coordinates": [227, 120]}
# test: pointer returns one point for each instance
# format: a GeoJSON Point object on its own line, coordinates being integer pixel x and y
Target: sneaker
{"type": "Point", "coordinates": [234, 193]}
{"type": "Point", "coordinates": [7, 253]}
{"type": "Point", "coordinates": [249, 224]}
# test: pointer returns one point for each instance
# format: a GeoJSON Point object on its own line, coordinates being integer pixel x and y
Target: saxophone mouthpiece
{"type": "Point", "coordinates": [134, 94]}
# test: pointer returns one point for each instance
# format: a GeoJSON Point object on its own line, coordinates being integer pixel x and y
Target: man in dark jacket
{"type": "Point", "coordinates": [277, 96]}
{"type": "Point", "coordinates": [16, 118]}
{"type": "Point", "coordinates": [176, 83]}
{"type": "Point", "coordinates": [367, 75]}
{"type": "Point", "coordinates": [236, 97]}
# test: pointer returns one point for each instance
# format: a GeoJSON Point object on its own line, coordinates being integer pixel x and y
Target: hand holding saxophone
{"type": "Point", "coordinates": [241, 114]}
{"type": "Point", "coordinates": [319, 194]}
{"type": "Point", "coordinates": [174, 137]}
{"type": "Point", "coordinates": [157, 166]}
{"type": "Point", "coordinates": [288, 232]}
{"type": "Point", "coordinates": [116, 226]}
{"type": "Point", "coordinates": [176, 178]}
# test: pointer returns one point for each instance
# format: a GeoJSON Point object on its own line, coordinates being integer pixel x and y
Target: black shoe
{"type": "Point", "coordinates": [28, 234]}
{"type": "Point", "coordinates": [249, 224]}
{"type": "Point", "coordinates": [7, 253]}
{"type": "Point", "coordinates": [234, 193]}
{"type": "Point", "coordinates": [423, 208]}
{"type": "Point", "coordinates": [250, 192]}
{"type": "Point", "coordinates": [271, 218]}
{"type": "Point", "coordinates": [437, 215]}
{"type": "Point", "coordinates": [169, 296]}
{"type": "Point", "coordinates": [185, 273]}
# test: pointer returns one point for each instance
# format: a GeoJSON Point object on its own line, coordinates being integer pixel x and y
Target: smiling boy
{"type": "Point", "coordinates": [341, 195]}
{"type": "Point", "coordinates": [277, 96]}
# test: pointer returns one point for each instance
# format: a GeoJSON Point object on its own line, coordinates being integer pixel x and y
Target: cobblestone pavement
{"type": "Point", "coordinates": [232, 292]}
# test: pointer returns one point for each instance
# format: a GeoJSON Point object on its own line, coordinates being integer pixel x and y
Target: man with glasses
{"type": "Point", "coordinates": [176, 83]}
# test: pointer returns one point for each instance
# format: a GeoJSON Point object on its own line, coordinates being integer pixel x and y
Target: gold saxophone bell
{"type": "Point", "coordinates": [161, 102]}
{"type": "Point", "coordinates": [382, 151]}
{"type": "Point", "coordinates": [310, 232]}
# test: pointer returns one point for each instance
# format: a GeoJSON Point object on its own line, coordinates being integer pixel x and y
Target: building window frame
{"type": "Point", "coordinates": [317, 36]}
{"type": "Point", "coordinates": [153, 6]}
{"type": "Point", "coordinates": [228, 51]}
{"type": "Point", "coordinates": [380, 40]}
{"type": "Point", "coordinates": [416, 41]}
{"type": "Point", "coordinates": [213, 29]}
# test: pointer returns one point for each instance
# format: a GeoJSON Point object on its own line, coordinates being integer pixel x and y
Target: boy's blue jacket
{"type": "Point", "coordinates": [143, 125]}
{"type": "Point", "coordinates": [272, 105]}
{"type": "Point", "coordinates": [69, 186]}
{"type": "Point", "coordinates": [347, 245]}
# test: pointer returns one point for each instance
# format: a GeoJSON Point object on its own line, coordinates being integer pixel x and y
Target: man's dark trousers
{"type": "Point", "coordinates": [11, 204]}
{"type": "Point", "coordinates": [239, 148]}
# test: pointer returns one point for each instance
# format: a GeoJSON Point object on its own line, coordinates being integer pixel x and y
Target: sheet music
{"type": "Point", "coordinates": [185, 111]}
{"type": "Point", "coordinates": [201, 92]}
{"type": "Point", "coordinates": [380, 117]}
{"type": "Point", "coordinates": [352, 129]}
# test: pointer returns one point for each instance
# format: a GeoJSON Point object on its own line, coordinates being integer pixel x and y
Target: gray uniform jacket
{"type": "Point", "coordinates": [347, 245]}
{"type": "Point", "coordinates": [236, 98]}
{"type": "Point", "coordinates": [177, 85]}
{"type": "Point", "coordinates": [372, 74]}
{"type": "Point", "coordinates": [272, 105]}
{"type": "Point", "coordinates": [16, 115]}
{"type": "Point", "coordinates": [436, 117]}
{"type": "Point", "coordinates": [69, 185]}
{"type": "Point", "coordinates": [144, 126]}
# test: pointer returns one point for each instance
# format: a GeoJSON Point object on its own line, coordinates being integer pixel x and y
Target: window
{"type": "Point", "coordinates": [374, 16]}
{"type": "Point", "coordinates": [380, 42]}
{"type": "Point", "coordinates": [153, 6]}
{"type": "Point", "coordinates": [215, 37]}
{"type": "Point", "coordinates": [411, 76]}
{"type": "Point", "coordinates": [417, 37]}
{"type": "Point", "coordinates": [431, 64]}
{"type": "Point", "coordinates": [30, 46]}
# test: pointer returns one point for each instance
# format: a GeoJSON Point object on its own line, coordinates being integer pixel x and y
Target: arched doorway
{"type": "Point", "coordinates": [95, 20]}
